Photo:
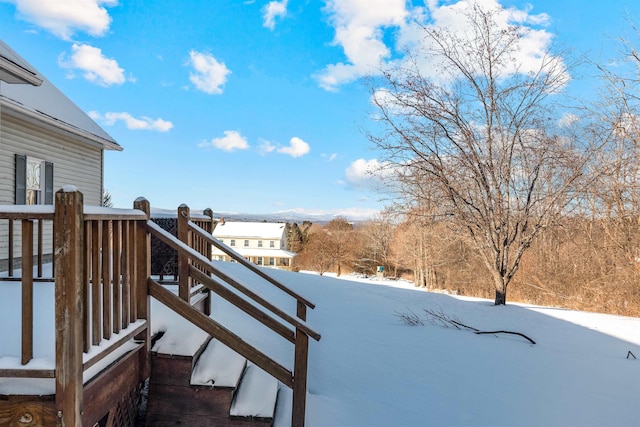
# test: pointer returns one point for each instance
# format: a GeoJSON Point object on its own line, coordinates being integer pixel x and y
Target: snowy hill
{"type": "Point", "coordinates": [292, 215]}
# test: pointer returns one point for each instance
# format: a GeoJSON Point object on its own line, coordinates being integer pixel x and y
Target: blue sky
{"type": "Point", "coordinates": [256, 106]}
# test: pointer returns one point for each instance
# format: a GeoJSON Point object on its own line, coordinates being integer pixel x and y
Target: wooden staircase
{"type": "Point", "coordinates": [211, 385]}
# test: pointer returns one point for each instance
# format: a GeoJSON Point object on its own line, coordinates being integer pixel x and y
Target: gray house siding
{"type": "Point", "coordinates": [74, 162]}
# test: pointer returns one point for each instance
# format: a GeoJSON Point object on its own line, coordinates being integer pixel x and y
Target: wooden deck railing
{"type": "Point", "coordinates": [103, 284]}
{"type": "Point", "coordinates": [31, 252]}
{"type": "Point", "coordinates": [31, 247]}
{"type": "Point", "coordinates": [100, 259]}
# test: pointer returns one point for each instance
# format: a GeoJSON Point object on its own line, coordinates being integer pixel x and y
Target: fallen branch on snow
{"type": "Point", "coordinates": [447, 321]}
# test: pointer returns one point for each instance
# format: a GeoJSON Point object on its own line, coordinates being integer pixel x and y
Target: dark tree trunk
{"type": "Point", "coordinates": [501, 296]}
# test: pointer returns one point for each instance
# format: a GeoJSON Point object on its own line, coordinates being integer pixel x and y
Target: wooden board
{"type": "Point", "coordinates": [103, 393]}
{"type": "Point", "coordinates": [27, 411]}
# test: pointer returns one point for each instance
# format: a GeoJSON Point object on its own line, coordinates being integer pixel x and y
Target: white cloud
{"type": "Point", "coordinates": [530, 49]}
{"type": "Point", "coordinates": [568, 120]}
{"type": "Point", "coordinates": [209, 75]}
{"type": "Point", "coordinates": [141, 123]}
{"type": "Point", "coordinates": [266, 147]}
{"type": "Point", "coordinates": [273, 10]}
{"type": "Point", "coordinates": [297, 148]}
{"type": "Point", "coordinates": [359, 31]}
{"type": "Point", "coordinates": [361, 27]}
{"type": "Point", "coordinates": [64, 17]}
{"type": "Point", "coordinates": [231, 141]}
{"type": "Point", "coordinates": [367, 174]}
{"type": "Point", "coordinates": [330, 157]}
{"type": "Point", "coordinates": [95, 67]}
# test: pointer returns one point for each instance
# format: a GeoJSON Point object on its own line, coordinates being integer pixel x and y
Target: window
{"type": "Point", "coordinates": [246, 243]}
{"type": "Point", "coordinates": [233, 242]}
{"type": "Point", "coordinates": [259, 243]}
{"type": "Point", "coordinates": [272, 261]}
{"type": "Point", "coordinates": [33, 180]}
{"type": "Point", "coordinates": [259, 260]}
{"type": "Point", "coordinates": [272, 244]}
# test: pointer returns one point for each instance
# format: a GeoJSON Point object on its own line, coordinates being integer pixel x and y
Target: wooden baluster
{"type": "Point", "coordinates": [95, 282]}
{"type": "Point", "coordinates": [10, 254]}
{"type": "Point", "coordinates": [116, 260]}
{"type": "Point", "coordinates": [106, 280]}
{"type": "Point", "coordinates": [126, 273]}
{"type": "Point", "coordinates": [27, 291]}
{"type": "Point", "coordinates": [40, 227]}
{"type": "Point", "coordinates": [68, 246]}
{"type": "Point", "coordinates": [86, 284]}
{"type": "Point", "coordinates": [133, 306]}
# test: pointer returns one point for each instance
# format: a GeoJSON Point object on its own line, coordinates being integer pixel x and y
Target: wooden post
{"type": "Point", "coordinates": [300, 379]}
{"type": "Point", "coordinates": [69, 257]}
{"type": "Point", "coordinates": [27, 291]}
{"type": "Point", "coordinates": [184, 282]}
{"type": "Point", "coordinates": [301, 311]}
{"type": "Point", "coordinates": [140, 284]}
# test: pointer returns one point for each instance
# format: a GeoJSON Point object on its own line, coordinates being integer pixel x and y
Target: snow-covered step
{"type": "Point", "coordinates": [256, 396]}
{"type": "Point", "coordinates": [219, 366]}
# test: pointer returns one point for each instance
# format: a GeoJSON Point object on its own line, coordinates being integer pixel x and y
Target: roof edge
{"type": "Point", "coordinates": [19, 72]}
{"type": "Point", "coordinates": [59, 124]}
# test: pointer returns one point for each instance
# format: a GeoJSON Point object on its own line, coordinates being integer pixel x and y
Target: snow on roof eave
{"type": "Point", "coordinates": [47, 104]}
{"type": "Point", "coordinates": [22, 111]}
{"type": "Point", "coordinates": [13, 73]}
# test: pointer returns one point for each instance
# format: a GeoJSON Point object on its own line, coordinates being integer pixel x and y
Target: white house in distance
{"type": "Point", "coordinates": [262, 243]}
{"type": "Point", "coordinates": [46, 141]}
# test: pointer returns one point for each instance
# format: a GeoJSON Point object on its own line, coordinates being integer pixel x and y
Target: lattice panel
{"type": "Point", "coordinates": [164, 260]}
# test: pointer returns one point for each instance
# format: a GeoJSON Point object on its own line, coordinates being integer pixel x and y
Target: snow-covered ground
{"type": "Point", "coordinates": [372, 369]}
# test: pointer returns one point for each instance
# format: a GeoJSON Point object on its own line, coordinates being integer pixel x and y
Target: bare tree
{"type": "Point", "coordinates": [483, 130]}
{"type": "Point", "coordinates": [317, 253]}
{"type": "Point", "coordinates": [107, 201]}
{"type": "Point", "coordinates": [342, 242]}
{"type": "Point", "coordinates": [376, 236]}
{"type": "Point", "coordinates": [615, 122]}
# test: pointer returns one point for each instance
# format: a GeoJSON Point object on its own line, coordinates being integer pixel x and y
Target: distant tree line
{"type": "Point", "coordinates": [583, 263]}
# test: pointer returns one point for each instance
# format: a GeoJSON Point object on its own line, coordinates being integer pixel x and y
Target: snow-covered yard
{"type": "Point", "coordinates": [371, 369]}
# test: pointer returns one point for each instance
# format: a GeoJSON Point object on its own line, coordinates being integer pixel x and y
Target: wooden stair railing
{"type": "Point", "coordinates": [199, 268]}
{"type": "Point", "coordinates": [302, 303]}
